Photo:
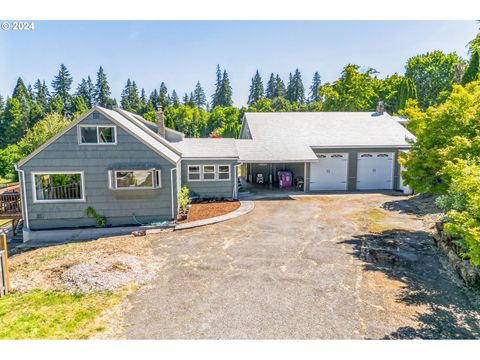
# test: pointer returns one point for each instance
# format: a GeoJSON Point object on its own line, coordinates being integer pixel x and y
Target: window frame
{"type": "Point", "coordinates": [199, 172]}
{"type": "Point", "coordinates": [229, 172]}
{"type": "Point", "coordinates": [156, 180]}
{"type": "Point", "coordinates": [214, 172]}
{"type": "Point", "coordinates": [98, 127]}
{"type": "Point", "coordinates": [48, 172]}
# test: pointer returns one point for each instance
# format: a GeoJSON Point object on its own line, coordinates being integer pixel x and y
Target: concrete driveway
{"type": "Point", "coordinates": [351, 266]}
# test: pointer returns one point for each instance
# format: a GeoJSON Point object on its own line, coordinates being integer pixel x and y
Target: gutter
{"type": "Point", "coordinates": [171, 190]}
{"type": "Point", "coordinates": [23, 191]}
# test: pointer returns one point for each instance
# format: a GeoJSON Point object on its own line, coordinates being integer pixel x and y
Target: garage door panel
{"type": "Point", "coordinates": [375, 171]}
{"type": "Point", "coordinates": [329, 172]}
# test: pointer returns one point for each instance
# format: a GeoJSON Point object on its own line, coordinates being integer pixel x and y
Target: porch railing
{"type": "Point", "coordinates": [10, 204]}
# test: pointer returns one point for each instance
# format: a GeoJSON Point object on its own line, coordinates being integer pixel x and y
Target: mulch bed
{"type": "Point", "coordinates": [208, 210]}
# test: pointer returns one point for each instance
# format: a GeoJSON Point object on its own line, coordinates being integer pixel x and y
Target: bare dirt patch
{"type": "Point", "coordinates": [203, 211]}
{"type": "Point", "coordinates": [104, 264]}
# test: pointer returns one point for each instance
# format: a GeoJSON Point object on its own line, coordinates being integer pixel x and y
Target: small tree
{"type": "Point", "coordinates": [184, 200]}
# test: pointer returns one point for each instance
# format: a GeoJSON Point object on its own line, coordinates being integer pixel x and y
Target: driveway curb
{"type": "Point", "coordinates": [245, 208]}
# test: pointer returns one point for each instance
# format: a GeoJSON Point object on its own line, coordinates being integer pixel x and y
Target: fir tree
{"type": "Point", "coordinates": [86, 90]}
{"type": "Point", "coordinates": [280, 89]}
{"type": "Point", "coordinates": [295, 88]}
{"type": "Point", "coordinates": [316, 82]}
{"type": "Point", "coordinates": [13, 124]}
{"type": "Point", "coordinates": [102, 90]}
{"type": "Point", "coordinates": [174, 99]}
{"type": "Point", "coordinates": [271, 90]}
{"type": "Point", "coordinates": [256, 89]}
{"type": "Point", "coordinates": [163, 99]}
{"type": "Point", "coordinates": [199, 96]}
{"type": "Point", "coordinates": [61, 85]}
{"type": "Point", "coordinates": [143, 98]}
{"type": "Point", "coordinates": [153, 99]}
{"type": "Point", "coordinates": [41, 94]}
{"type": "Point", "coordinates": [216, 97]}
{"type": "Point", "coordinates": [472, 72]}
{"type": "Point", "coordinates": [225, 96]}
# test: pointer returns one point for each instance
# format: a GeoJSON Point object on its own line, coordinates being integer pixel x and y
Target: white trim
{"type": "Point", "coordinates": [98, 127]}
{"type": "Point", "coordinates": [209, 158]}
{"type": "Point", "coordinates": [154, 173]}
{"type": "Point", "coordinates": [361, 147]}
{"type": "Point", "coordinates": [34, 190]}
{"type": "Point", "coordinates": [214, 172]}
{"type": "Point", "coordinates": [229, 172]}
{"type": "Point", "coordinates": [23, 193]}
{"type": "Point", "coordinates": [199, 172]}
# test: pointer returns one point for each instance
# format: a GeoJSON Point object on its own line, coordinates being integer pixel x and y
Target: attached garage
{"type": "Point", "coordinates": [329, 172]}
{"type": "Point", "coordinates": [375, 170]}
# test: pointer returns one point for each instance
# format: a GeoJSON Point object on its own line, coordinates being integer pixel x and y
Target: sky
{"type": "Point", "coordinates": [180, 53]}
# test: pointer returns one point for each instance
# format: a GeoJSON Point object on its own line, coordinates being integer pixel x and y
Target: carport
{"type": "Point", "coordinates": [269, 171]}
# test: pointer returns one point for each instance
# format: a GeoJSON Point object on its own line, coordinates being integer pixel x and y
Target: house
{"type": "Point", "coordinates": [130, 170]}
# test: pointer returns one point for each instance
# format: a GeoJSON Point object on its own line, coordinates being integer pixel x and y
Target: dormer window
{"type": "Point", "coordinates": [97, 135]}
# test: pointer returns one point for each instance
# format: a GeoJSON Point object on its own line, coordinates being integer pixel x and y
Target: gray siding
{"type": "Point", "coordinates": [118, 206]}
{"type": "Point", "coordinates": [352, 164]}
{"type": "Point", "coordinates": [210, 189]}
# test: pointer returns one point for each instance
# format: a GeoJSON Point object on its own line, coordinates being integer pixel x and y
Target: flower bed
{"type": "Point", "coordinates": [201, 211]}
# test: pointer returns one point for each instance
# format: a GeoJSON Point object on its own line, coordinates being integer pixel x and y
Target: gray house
{"type": "Point", "coordinates": [130, 170]}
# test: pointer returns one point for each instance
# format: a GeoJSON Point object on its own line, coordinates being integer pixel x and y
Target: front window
{"type": "Point", "coordinates": [209, 172]}
{"type": "Point", "coordinates": [134, 179]}
{"type": "Point", "coordinates": [223, 172]}
{"type": "Point", "coordinates": [58, 187]}
{"type": "Point", "coordinates": [97, 134]}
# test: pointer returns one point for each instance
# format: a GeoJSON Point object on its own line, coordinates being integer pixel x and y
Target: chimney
{"type": "Point", "coordinates": [160, 122]}
{"type": "Point", "coordinates": [380, 108]}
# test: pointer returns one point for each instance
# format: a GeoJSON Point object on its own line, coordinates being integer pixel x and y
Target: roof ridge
{"type": "Point", "coordinates": [131, 117]}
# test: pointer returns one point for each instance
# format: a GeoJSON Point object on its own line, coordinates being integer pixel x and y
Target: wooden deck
{"type": "Point", "coordinates": [10, 206]}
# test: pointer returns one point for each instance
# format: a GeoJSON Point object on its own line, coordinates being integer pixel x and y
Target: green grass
{"type": "Point", "coordinates": [5, 180]}
{"type": "Point", "coordinates": [41, 314]}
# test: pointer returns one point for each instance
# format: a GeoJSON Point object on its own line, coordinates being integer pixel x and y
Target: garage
{"type": "Point", "coordinates": [375, 170]}
{"type": "Point", "coordinates": [329, 172]}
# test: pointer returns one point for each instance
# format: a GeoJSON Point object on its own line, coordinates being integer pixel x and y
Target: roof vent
{"type": "Point", "coordinates": [380, 108]}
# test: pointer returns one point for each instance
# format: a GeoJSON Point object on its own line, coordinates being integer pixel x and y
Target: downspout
{"type": "Point", "coordinates": [23, 190]}
{"type": "Point", "coordinates": [171, 189]}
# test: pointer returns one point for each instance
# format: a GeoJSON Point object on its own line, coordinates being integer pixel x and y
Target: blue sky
{"type": "Point", "coordinates": [182, 52]}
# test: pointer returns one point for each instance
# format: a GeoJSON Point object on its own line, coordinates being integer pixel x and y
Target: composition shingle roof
{"type": "Point", "coordinates": [207, 148]}
{"type": "Point", "coordinates": [292, 135]}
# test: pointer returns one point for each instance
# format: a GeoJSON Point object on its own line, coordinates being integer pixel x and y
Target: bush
{"type": "Point", "coordinates": [462, 204]}
{"type": "Point", "coordinates": [184, 199]}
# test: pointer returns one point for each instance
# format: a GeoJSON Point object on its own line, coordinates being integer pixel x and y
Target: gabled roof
{"type": "Point", "coordinates": [329, 129]}
{"type": "Point", "coordinates": [211, 148]}
{"type": "Point", "coordinates": [131, 125]}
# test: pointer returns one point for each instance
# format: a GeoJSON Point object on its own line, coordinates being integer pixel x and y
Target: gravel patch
{"type": "Point", "coordinates": [109, 274]}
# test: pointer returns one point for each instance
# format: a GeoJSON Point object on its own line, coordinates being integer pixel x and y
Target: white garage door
{"type": "Point", "coordinates": [375, 171]}
{"type": "Point", "coordinates": [329, 172]}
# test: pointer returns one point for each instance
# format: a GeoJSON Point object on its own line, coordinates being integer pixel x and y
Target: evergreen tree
{"type": "Point", "coordinates": [174, 99]}
{"type": "Point", "coordinates": [57, 105]}
{"type": "Point", "coordinates": [185, 99]}
{"type": "Point", "coordinates": [163, 99]}
{"type": "Point", "coordinates": [153, 99]}
{"type": "Point", "coordinates": [86, 90]}
{"type": "Point", "coordinates": [271, 90]}
{"type": "Point", "coordinates": [199, 96]}
{"type": "Point", "coordinates": [406, 91]}
{"type": "Point", "coordinates": [21, 92]}
{"type": "Point", "coordinates": [472, 72]}
{"type": "Point", "coordinates": [61, 85]}
{"type": "Point", "coordinates": [256, 89]}
{"type": "Point", "coordinates": [295, 88]}
{"type": "Point", "coordinates": [130, 100]}
{"type": "Point", "coordinates": [216, 97]}
{"type": "Point", "coordinates": [41, 94]}
{"type": "Point", "coordinates": [78, 106]}
{"type": "Point", "coordinates": [316, 82]}
{"type": "Point", "coordinates": [13, 123]}
{"type": "Point", "coordinates": [102, 90]}
{"type": "Point", "coordinates": [280, 89]}
{"type": "Point", "coordinates": [143, 98]}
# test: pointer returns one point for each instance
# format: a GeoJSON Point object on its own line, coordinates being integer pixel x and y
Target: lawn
{"type": "Point", "coordinates": [40, 314]}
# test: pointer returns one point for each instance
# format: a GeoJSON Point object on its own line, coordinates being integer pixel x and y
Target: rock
{"type": "Point", "coordinates": [139, 233]}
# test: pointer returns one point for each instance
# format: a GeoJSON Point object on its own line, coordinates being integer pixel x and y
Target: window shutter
{"type": "Point", "coordinates": [158, 178]}
{"type": "Point", "coordinates": [111, 182]}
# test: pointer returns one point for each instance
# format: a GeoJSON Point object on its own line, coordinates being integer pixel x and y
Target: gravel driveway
{"type": "Point", "coordinates": [349, 266]}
